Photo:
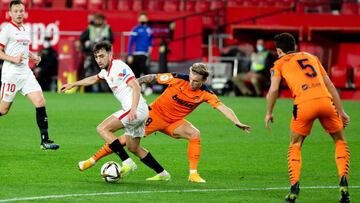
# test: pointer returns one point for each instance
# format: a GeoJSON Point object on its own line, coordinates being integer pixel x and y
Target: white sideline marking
{"type": "Point", "coordinates": [164, 191]}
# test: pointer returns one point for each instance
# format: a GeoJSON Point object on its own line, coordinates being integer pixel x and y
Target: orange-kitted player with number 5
{"type": "Point", "coordinates": [315, 98]}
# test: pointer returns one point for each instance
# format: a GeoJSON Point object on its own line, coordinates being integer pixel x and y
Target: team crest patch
{"type": "Point", "coordinates": [164, 78]}
{"type": "Point", "coordinates": [123, 73]}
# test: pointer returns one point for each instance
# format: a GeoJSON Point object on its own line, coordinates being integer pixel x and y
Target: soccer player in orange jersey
{"type": "Point", "coordinates": [315, 98]}
{"type": "Point", "coordinates": [183, 94]}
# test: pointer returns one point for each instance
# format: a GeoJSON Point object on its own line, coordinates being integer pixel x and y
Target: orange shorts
{"type": "Point", "coordinates": [305, 113]}
{"type": "Point", "coordinates": [155, 122]}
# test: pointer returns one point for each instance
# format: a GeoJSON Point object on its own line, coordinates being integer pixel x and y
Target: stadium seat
{"type": "Point", "coordinates": [349, 8]}
{"type": "Point", "coordinates": [58, 4]}
{"type": "Point", "coordinates": [190, 5]}
{"type": "Point", "coordinates": [95, 4]}
{"type": "Point", "coordinates": [137, 5]}
{"type": "Point", "coordinates": [216, 4]}
{"type": "Point", "coordinates": [80, 4]}
{"type": "Point", "coordinates": [357, 76]}
{"type": "Point", "coordinates": [155, 5]}
{"type": "Point", "coordinates": [338, 75]}
{"type": "Point", "coordinates": [38, 4]}
{"type": "Point", "coordinates": [171, 5]}
{"type": "Point", "coordinates": [124, 5]}
{"type": "Point", "coordinates": [112, 4]}
{"type": "Point", "coordinates": [203, 5]}
{"type": "Point", "coordinates": [234, 3]}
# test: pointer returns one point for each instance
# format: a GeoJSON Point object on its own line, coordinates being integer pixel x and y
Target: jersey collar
{"type": "Point", "coordinates": [12, 23]}
{"type": "Point", "coordinates": [110, 65]}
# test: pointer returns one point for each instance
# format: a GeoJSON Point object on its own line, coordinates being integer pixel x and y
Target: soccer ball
{"type": "Point", "coordinates": [110, 171]}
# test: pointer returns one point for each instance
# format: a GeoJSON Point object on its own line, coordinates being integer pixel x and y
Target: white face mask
{"type": "Point", "coordinates": [259, 47]}
{"type": "Point", "coordinates": [46, 44]}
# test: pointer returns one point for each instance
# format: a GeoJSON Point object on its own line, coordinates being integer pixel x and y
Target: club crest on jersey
{"type": "Point", "coordinates": [123, 73]}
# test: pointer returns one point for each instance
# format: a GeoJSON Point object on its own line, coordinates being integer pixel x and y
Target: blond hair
{"type": "Point", "coordinates": [201, 69]}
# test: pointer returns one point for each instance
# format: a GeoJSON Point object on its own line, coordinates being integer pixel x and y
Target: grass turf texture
{"type": "Point", "coordinates": [239, 164]}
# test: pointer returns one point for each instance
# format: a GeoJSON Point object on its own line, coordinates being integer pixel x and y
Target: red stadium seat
{"type": "Point", "coordinates": [172, 5]}
{"type": "Point", "coordinates": [357, 77]}
{"type": "Point", "coordinates": [58, 4]}
{"type": "Point", "coordinates": [349, 8]}
{"type": "Point", "coordinates": [156, 5]}
{"type": "Point", "coordinates": [338, 75]}
{"type": "Point", "coordinates": [112, 4]}
{"type": "Point", "coordinates": [95, 4]}
{"type": "Point", "coordinates": [137, 5]}
{"type": "Point", "coordinates": [190, 5]}
{"type": "Point", "coordinates": [216, 4]}
{"type": "Point", "coordinates": [234, 3]}
{"type": "Point", "coordinates": [124, 5]}
{"type": "Point", "coordinates": [38, 3]}
{"type": "Point", "coordinates": [202, 6]}
{"type": "Point", "coordinates": [80, 4]}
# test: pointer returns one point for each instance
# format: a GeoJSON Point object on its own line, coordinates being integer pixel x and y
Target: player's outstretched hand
{"type": "Point", "coordinates": [268, 118]}
{"type": "Point", "coordinates": [132, 115]}
{"type": "Point", "coordinates": [243, 127]}
{"type": "Point", "coordinates": [66, 87]}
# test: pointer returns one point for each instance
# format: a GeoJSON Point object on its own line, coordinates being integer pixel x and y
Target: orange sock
{"type": "Point", "coordinates": [342, 158]}
{"type": "Point", "coordinates": [294, 163]}
{"type": "Point", "coordinates": [104, 151]}
{"type": "Point", "coordinates": [194, 150]}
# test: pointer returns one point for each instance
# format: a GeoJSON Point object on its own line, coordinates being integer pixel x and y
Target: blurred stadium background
{"type": "Point", "coordinates": [238, 167]}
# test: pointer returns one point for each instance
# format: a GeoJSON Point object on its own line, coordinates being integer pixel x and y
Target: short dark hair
{"type": "Point", "coordinates": [15, 2]}
{"type": "Point", "coordinates": [102, 45]}
{"type": "Point", "coordinates": [285, 42]}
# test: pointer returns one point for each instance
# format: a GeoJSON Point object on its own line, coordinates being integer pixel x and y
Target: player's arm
{"type": "Point", "coordinates": [135, 98]}
{"type": "Point", "coordinates": [84, 82]}
{"type": "Point", "coordinates": [271, 99]}
{"type": "Point", "coordinates": [147, 79]}
{"type": "Point", "coordinates": [229, 114]}
{"type": "Point", "coordinates": [336, 99]}
{"type": "Point", "coordinates": [5, 57]}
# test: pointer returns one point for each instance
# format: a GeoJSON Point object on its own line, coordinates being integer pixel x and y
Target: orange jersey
{"type": "Point", "coordinates": [303, 74]}
{"type": "Point", "coordinates": [178, 100]}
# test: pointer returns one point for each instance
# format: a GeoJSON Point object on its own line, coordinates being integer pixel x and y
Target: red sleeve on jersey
{"type": "Point", "coordinates": [2, 46]}
{"type": "Point", "coordinates": [129, 79]}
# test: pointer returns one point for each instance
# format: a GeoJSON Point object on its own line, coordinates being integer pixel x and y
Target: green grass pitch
{"type": "Point", "coordinates": [238, 167]}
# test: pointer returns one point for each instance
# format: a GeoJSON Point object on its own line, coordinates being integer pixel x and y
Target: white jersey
{"type": "Point", "coordinates": [15, 41]}
{"type": "Point", "coordinates": [117, 77]}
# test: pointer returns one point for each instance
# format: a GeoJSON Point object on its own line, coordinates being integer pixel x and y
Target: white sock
{"type": "Point", "coordinates": [164, 173]}
{"type": "Point", "coordinates": [193, 171]}
{"type": "Point", "coordinates": [128, 161]}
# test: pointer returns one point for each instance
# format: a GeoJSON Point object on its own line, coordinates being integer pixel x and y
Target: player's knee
{"type": "Point", "coordinates": [100, 129]}
{"type": "Point", "coordinates": [4, 110]}
{"type": "Point", "coordinates": [40, 102]}
{"type": "Point", "coordinates": [194, 134]}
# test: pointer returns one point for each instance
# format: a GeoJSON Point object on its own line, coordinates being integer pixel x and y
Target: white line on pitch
{"type": "Point", "coordinates": [164, 191]}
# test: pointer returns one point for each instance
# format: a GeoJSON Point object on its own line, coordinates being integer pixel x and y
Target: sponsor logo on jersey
{"type": "Point", "coordinates": [182, 102]}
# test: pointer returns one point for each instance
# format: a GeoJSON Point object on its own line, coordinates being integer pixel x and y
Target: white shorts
{"type": "Point", "coordinates": [134, 128]}
{"type": "Point", "coordinates": [12, 83]}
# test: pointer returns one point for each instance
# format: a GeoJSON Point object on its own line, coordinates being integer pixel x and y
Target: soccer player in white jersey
{"type": "Point", "coordinates": [132, 116]}
{"type": "Point", "coordinates": [16, 75]}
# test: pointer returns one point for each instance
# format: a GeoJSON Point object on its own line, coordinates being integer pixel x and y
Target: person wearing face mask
{"type": "Point", "coordinates": [47, 68]}
{"type": "Point", "coordinates": [140, 46]}
{"type": "Point", "coordinates": [261, 61]}
{"type": "Point", "coordinates": [98, 30]}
